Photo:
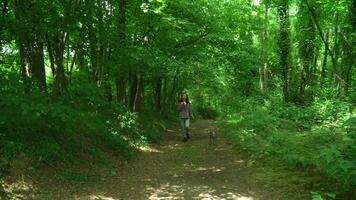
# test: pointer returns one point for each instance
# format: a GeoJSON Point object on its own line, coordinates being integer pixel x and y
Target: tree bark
{"type": "Point", "coordinates": [133, 89]}
{"type": "Point", "coordinates": [158, 92]}
{"type": "Point", "coordinates": [93, 53]}
{"type": "Point", "coordinates": [140, 94]}
{"type": "Point", "coordinates": [120, 83]}
{"type": "Point", "coordinates": [338, 78]}
{"type": "Point", "coordinates": [325, 60]}
{"type": "Point", "coordinates": [36, 58]}
{"type": "Point", "coordinates": [30, 46]}
{"type": "Point", "coordinates": [50, 55]}
{"type": "Point", "coordinates": [285, 47]}
{"type": "Point", "coordinates": [4, 6]}
{"type": "Point", "coordinates": [120, 90]}
{"type": "Point", "coordinates": [23, 69]}
{"type": "Point", "coordinates": [306, 51]}
{"type": "Point", "coordinates": [349, 57]}
{"type": "Point", "coordinates": [263, 70]}
{"type": "Point", "coordinates": [57, 43]}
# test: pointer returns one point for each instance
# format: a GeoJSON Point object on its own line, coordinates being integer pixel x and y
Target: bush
{"type": "Point", "coordinates": [207, 112]}
{"type": "Point", "coordinates": [319, 138]}
{"type": "Point", "coordinates": [64, 130]}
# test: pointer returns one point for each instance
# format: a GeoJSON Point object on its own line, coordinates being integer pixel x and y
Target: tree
{"type": "Point", "coordinates": [285, 46]}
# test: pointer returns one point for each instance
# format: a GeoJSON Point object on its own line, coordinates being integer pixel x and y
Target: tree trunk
{"type": "Point", "coordinates": [338, 78]}
{"type": "Point", "coordinates": [106, 74]}
{"type": "Point", "coordinates": [4, 6]}
{"type": "Point", "coordinates": [165, 97]}
{"type": "Point", "coordinates": [70, 72]}
{"type": "Point", "coordinates": [285, 47]}
{"type": "Point", "coordinates": [120, 83]}
{"type": "Point", "coordinates": [57, 44]}
{"type": "Point", "coordinates": [325, 60]}
{"type": "Point", "coordinates": [263, 71]}
{"type": "Point", "coordinates": [30, 46]}
{"type": "Point", "coordinates": [50, 55]}
{"type": "Point", "coordinates": [313, 73]}
{"type": "Point", "coordinates": [306, 51]}
{"type": "Point", "coordinates": [120, 90]}
{"type": "Point", "coordinates": [158, 90]}
{"type": "Point", "coordinates": [349, 57]}
{"type": "Point", "coordinates": [93, 53]}
{"type": "Point", "coordinates": [140, 94]}
{"type": "Point", "coordinates": [36, 58]}
{"type": "Point", "coordinates": [172, 98]}
{"type": "Point", "coordinates": [23, 69]}
{"type": "Point", "coordinates": [133, 89]}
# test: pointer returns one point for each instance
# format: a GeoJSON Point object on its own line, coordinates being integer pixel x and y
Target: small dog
{"type": "Point", "coordinates": [213, 134]}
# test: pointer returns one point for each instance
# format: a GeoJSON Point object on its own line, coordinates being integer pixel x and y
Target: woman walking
{"type": "Point", "coordinates": [185, 112]}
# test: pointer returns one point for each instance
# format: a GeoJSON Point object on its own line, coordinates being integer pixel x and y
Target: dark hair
{"type": "Point", "coordinates": [181, 99]}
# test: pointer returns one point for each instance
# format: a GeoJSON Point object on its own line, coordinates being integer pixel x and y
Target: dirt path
{"type": "Point", "coordinates": [177, 170]}
{"type": "Point", "coordinates": [174, 170]}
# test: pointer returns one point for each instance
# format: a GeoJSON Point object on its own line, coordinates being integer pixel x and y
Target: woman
{"type": "Point", "coordinates": [185, 112]}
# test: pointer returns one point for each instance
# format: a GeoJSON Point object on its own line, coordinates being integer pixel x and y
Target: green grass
{"type": "Point", "coordinates": [70, 132]}
{"type": "Point", "coordinates": [319, 145]}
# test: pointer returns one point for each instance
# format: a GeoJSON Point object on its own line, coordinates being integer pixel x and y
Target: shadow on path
{"type": "Point", "coordinates": [177, 170]}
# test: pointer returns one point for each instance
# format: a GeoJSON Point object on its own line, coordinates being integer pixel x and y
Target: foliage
{"type": "Point", "coordinates": [65, 130]}
{"type": "Point", "coordinates": [313, 138]}
{"type": "Point", "coordinates": [103, 77]}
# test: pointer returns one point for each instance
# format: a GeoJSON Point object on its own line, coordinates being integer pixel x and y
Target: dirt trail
{"type": "Point", "coordinates": [174, 170]}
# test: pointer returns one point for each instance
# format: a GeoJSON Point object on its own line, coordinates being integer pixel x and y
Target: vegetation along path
{"type": "Point", "coordinates": [175, 170]}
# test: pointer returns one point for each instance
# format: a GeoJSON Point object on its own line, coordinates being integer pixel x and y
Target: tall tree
{"type": "Point", "coordinates": [120, 80]}
{"type": "Point", "coordinates": [284, 43]}
{"type": "Point", "coordinates": [307, 49]}
{"type": "Point", "coordinates": [30, 44]}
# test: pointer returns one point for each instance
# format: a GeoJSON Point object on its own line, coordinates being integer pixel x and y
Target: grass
{"type": "Point", "coordinates": [290, 152]}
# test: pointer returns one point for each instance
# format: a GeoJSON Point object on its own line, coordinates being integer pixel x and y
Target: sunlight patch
{"type": "Point", "coordinates": [18, 189]}
{"type": "Point", "coordinates": [229, 195]}
{"type": "Point", "coordinates": [100, 197]}
{"type": "Point", "coordinates": [175, 146]}
{"type": "Point", "coordinates": [213, 169]}
{"type": "Point", "coordinates": [149, 149]}
{"type": "Point", "coordinates": [166, 191]}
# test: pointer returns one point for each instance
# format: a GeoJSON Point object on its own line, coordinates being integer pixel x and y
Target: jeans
{"type": "Point", "coordinates": [184, 124]}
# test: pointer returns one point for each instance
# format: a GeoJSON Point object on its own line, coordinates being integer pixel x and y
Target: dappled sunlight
{"type": "Point", "coordinates": [228, 195]}
{"type": "Point", "coordinates": [239, 161]}
{"type": "Point", "coordinates": [174, 146]}
{"type": "Point", "coordinates": [17, 189]}
{"type": "Point", "coordinates": [183, 191]}
{"type": "Point", "coordinates": [166, 191]}
{"type": "Point", "coordinates": [213, 169]}
{"type": "Point", "coordinates": [175, 170]}
{"type": "Point", "coordinates": [149, 149]}
{"type": "Point", "coordinates": [188, 165]}
{"type": "Point", "coordinates": [101, 197]}
{"type": "Point", "coordinates": [220, 148]}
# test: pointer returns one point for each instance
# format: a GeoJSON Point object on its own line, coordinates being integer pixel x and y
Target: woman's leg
{"type": "Point", "coordinates": [187, 127]}
{"type": "Point", "coordinates": [183, 127]}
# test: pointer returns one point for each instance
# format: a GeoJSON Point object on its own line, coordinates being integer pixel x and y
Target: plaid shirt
{"type": "Point", "coordinates": [185, 110]}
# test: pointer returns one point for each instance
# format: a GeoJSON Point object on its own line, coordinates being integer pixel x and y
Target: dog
{"type": "Point", "coordinates": [213, 135]}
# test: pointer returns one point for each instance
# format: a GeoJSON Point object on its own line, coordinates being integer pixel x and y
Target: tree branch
{"type": "Point", "coordinates": [338, 77]}
{"type": "Point", "coordinates": [192, 40]}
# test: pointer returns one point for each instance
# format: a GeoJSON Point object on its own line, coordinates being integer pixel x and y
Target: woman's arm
{"type": "Point", "coordinates": [190, 111]}
{"type": "Point", "coordinates": [179, 107]}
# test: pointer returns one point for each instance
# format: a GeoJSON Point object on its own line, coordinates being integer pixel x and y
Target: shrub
{"type": "Point", "coordinates": [319, 138]}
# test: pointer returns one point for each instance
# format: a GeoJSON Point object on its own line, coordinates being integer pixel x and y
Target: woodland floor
{"type": "Point", "coordinates": [171, 170]}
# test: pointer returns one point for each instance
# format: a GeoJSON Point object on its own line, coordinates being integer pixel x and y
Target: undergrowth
{"type": "Point", "coordinates": [79, 129]}
{"type": "Point", "coordinates": [319, 139]}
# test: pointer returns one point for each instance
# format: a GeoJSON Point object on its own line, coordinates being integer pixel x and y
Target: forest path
{"type": "Point", "coordinates": [175, 170]}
